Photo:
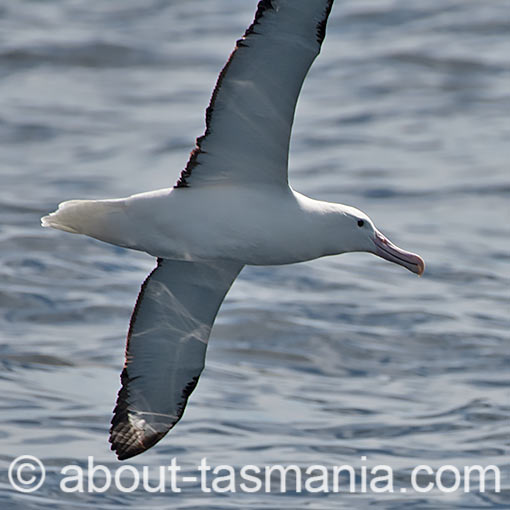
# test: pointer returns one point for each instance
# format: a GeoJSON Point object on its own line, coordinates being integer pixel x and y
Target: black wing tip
{"type": "Point", "coordinates": [262, 7]}
{"type": "Point", "coordinates": [132, 447]}
{"type": "Point", "coordinates": [126, 441]}
{"type": "Point", "coordinates": [265, 5]}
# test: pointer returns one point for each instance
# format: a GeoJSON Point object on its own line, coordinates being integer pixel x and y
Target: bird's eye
{"type": "Point", "coordinates": [360, 223]}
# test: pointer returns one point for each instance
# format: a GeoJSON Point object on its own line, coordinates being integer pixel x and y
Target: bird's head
{"type": "Point", "coordinates": [362, 235]}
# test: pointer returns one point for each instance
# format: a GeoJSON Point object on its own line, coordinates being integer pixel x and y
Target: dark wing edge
{"type": "Point", "coordinates": [262, 7]}
{"type": "Point", "coordinates": [124, 440]}
{"type": "Point", "coordinates": [152, 398]}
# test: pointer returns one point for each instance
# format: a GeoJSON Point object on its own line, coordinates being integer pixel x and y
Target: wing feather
{"type": "Point", "coordinates": [165, 349]}
{"type": "Point", "coordinates": [250, 115]}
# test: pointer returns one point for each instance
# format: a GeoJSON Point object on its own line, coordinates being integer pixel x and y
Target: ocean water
{"type": "Point", "coordinates": [346, 360]}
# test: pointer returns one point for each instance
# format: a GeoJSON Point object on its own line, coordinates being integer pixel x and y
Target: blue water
{"type": "Point", "coordinates": [405, 115]}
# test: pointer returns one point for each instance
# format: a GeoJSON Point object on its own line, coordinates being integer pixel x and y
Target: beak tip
{"type": "Point", "coordinates": [387, 250]}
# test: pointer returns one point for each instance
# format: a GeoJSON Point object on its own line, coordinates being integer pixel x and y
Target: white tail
{"type": "Point", "coordinates": [102, 219]}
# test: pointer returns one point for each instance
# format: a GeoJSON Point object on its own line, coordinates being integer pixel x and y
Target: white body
{"type": "Point", "coordinates": [262, 225]}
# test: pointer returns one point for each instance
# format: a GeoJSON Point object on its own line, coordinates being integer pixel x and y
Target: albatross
{"type": "Point", "coordinates": [231, 206]}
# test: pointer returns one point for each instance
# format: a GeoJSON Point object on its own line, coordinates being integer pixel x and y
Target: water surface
{"type": "Point", "coordinates": [405, 115]}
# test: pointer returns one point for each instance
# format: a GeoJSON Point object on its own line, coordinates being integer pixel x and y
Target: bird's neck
{"type": "Point", "coordinates": [322, 226]}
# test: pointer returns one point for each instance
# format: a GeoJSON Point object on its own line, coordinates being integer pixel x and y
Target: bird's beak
{"type": "Point", "coordinates": [387, 250]}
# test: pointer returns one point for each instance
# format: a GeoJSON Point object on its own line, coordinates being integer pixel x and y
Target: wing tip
{"type": "Point", "coordinates": [128, 440]}
{"type": "Point", "coordinates": [127, 443]}
{"type": "Point", "coordinates": [262, 7]}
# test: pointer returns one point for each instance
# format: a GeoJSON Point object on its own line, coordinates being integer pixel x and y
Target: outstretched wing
{"type": "Point", "coordinates": [165, 350]}
{"type": "Point", "coordinates": [250, 116]}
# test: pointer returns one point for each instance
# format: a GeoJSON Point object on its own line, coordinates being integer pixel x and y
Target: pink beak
{"type": "Point", "coordinates": [387, 250]}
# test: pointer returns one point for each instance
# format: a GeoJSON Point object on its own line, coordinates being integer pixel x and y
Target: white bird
{"type": "Point", "coordinates": [231, 206]}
